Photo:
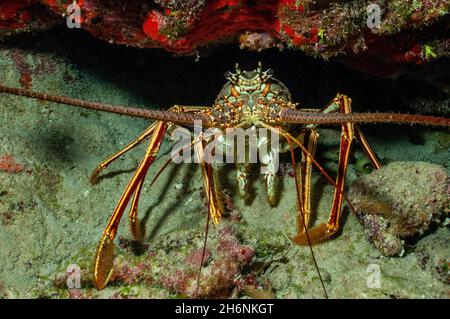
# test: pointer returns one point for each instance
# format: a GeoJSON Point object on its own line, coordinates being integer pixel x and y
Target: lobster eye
{"type": "Point", "coordinates": [262, 101]}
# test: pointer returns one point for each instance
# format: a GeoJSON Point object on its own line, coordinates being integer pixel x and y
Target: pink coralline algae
{"type": "Point", "coordinates": [198, 256]}
{"type": "Point", "coordinates": [175, 267]}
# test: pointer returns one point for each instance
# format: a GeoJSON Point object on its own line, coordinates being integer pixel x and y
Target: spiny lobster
{"type": "Point", "coordinates": [248, 99]}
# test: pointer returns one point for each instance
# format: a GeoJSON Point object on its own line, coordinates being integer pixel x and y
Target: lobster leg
{"type": "Point", "coordinates": [103, 165]}
{"type": "Point", "coordinates": [134, 225]}
{"type": "Point", "coordinates": [301, 205]}
{"type": "Point", "coordinates": [210, 182]}
{"type": "Point", "coordinates": [147, 133]}
{"type": "Point", "coordinates": [335, 106]}
{"type": "Point", "coordinates": [269, 173]}
{"type": "Point", "coordinates": [310, 141]}
{"type": "Point", "coordinates": [269, 166]}
{"type": "Point", "coordinates": [105, 253]}
{"type": "Point", "coordinates": [366, 148]}
{"type": "Point", "coordinates": [242, 178]}
{"type": "Point", "coordinates": [135, 228]}
{"type": "Point", "coordinates": [310, 137]}
{"type": "Point", "coordinates": [324, 231]}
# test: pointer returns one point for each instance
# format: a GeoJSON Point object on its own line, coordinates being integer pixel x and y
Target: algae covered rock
{"type": "Point", "coordinates": [433, 254]}
{"type": "Point", "coordinates": [398, 201]}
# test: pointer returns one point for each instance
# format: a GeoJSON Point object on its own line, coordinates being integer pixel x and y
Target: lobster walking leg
{"type": "Point", "coordinates": [105, 253]}
{"type": "Point", "coordinates": [324, 231]}
{"type": "Point", "coordinates": [301, 213]}
{"type": "Point", "coordinates": [269, 173]}
{"type": "Point", "coordinates": [215, 205]}
{"type": "Point", "coordinates": [135, 227]}
{"type": "Point", "coordinates": [103, 165]}
{"type": "Point", "coordinates": [310, 137]}
{"type": "Point", "coordinates": [310, 142]}
{"type": "Point", "coordinates": [366, 148]}
{"type": "Point", "coordinates": [242, 178]}
{"type": "Point", "coordinates": [147, 133]}
{"type": "Point", "coordinates": [335, 106]}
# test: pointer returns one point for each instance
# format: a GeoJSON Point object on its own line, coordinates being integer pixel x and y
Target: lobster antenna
{"type": "Point", "coordinates": [202, 260]}
{"type": "Point", "coordinates": [156, 115]}
{"type": "Point", "coordinates": [294, 167]}
{"type": "Point", "coordinates": [208, 218]}
{"type": "Point", "coordinates": [296, 116]}
{"type": "Point", "coordinates": [238, 69]}
{"type": "Point", "coordinates": [259, 68]}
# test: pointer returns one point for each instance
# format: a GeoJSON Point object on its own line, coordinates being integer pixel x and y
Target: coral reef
{"type": "Point", "coordinates": [410, 31]}
{"type": "Point", "coordinates": [399, 201]}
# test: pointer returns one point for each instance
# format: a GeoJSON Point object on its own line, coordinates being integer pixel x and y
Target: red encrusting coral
{"type": "Point", "coordinates": [325, 28]}
{"type": "Point", "coordinates": [318, 28]}
{"type": "Point", "coordinates": [15, 14]}
{"type": "Point", "coordinates": [25, 15]}
{"type": "Point", "coordinates": [219, 19]}
{"type": "Point", "coordinates": [8, 164]}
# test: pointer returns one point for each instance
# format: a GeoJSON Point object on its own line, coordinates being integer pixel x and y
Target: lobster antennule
{"type": "Point", "coordinates": [156, 115]}
{"type": "Point", "coordinates": [302, 117]}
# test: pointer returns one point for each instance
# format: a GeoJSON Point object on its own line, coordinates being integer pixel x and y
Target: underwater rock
{"type": "Point", "coordinates": [255, 41]}
{"type": "Point", "coordinates": [433, 254]}
{"type": "Point", "coordinates": [372, 34]}
{"type": "Point", "coordinates": [398, 201]}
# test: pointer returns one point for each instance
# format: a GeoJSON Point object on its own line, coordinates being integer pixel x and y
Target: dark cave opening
{"type": "Point", "coordinates": [164, 79]}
